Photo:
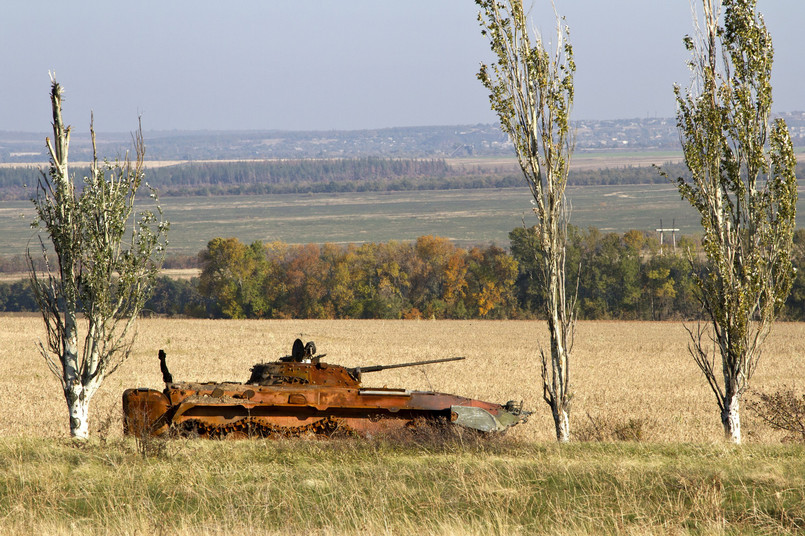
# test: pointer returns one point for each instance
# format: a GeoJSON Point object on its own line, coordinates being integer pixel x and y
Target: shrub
{"type": "Point", "coordinates": [782, 410]}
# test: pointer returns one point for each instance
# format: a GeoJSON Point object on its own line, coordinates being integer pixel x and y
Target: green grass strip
{"type": "Point", "coordinates": [377, 487]}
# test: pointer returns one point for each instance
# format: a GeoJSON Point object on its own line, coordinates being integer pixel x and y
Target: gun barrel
{"type": "Point", "coordinates": [377, 368]}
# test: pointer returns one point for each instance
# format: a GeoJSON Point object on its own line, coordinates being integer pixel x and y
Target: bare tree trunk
{"type": "Point", "coordinates": [558, 389]}
{"type": "Point", "coordinates": [74, 393]}
{"type": "Point", "coordinates": [731, 418]}
{"type": "Point", "coordinates": [731, 410]}
{"type": "Point", "coordinates": [562, 421]}
{"type": "Point", "coordinates": [78, 408]}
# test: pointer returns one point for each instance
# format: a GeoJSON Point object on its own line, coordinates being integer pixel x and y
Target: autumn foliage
{"type": "Point", "coordinates": [619, 276]}
{"type": "Point", "coordinates": [429, 278]}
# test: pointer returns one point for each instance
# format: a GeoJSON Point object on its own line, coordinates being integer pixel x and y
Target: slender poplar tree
{"type": "Point", "coordinates": [531, 89]}
{"type": "Point", "coordinates": [743, 184]}
{"type": "Point", "coordinates": [103, 275]}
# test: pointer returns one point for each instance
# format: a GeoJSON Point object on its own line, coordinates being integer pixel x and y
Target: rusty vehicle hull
{"type": "Point", "coordinates": [292, 399]}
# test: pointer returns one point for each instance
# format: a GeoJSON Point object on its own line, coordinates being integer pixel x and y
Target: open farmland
{"type": "Point", "coordinates": [681, 478]}
{"type": "Point", "coordinates": [476, 216]}
{"type": "Point", "coordinates": [621, 370]}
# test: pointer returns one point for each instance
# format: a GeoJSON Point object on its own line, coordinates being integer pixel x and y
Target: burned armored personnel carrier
{"type": "Point", "coordinates": [301, 394]}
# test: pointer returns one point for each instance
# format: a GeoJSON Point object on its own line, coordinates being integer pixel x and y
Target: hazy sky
{"type": "Point", "coordinates": [327, 64]}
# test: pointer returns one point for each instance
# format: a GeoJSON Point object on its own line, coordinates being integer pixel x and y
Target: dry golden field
{"type": "Point", "coordinates": [173, 273]}
{"type": "Point", "coordinates": [621, 370]}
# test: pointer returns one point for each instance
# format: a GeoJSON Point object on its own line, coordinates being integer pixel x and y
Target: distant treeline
{"type": "Point", "coordinates": [289, 171]}
{"type": "Point", "coordinates": [619, 276]}
{"type": "Point", "coordinates": [315, 176]}
{"type": "Point", "coordinates": [369, 174]}
{"type": "Point", "coordinates": [18, 182]}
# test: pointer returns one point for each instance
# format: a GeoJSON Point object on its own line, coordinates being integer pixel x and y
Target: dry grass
{"type": "Point", "coordinates": [345, 487]}
{"type": "Point", "coordinates": [173, 273]}
{"type": "Point", "coordinates": [523, 484]}
{"type": "Point", "coordinates": [622, 371]}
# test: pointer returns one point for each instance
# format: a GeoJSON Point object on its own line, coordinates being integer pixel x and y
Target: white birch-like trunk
{"type": "Point", "coordinates": [731, 418]}
{"type": "Point", "coordinates": [559, 387]}
{"type": "Point", "coordinates": [78, 393]}
{"type": "Point", "coordinates": [78, 408]}
{"type": "Point", "coordinates": [75, 392]}
{"type": "Point", "coordinates": [562, 421]}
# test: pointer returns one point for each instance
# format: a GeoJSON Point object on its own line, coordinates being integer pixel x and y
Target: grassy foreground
{"type": "Point", "coordinates": [376, 487]}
